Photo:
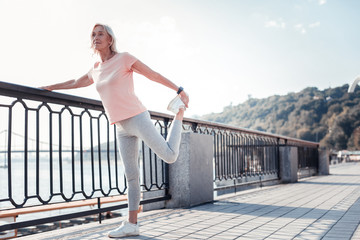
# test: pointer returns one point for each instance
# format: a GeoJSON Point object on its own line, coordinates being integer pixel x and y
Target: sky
{"type": "Point", "coordinates": [222, 52]}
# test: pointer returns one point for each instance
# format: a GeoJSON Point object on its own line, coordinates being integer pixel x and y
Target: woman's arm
{"type": "Point", "coordinates": [84, 81]}
{"type": "Point", "coordinates": [142, 69]}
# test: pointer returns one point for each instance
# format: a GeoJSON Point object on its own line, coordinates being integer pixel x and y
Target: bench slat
{"type": "Point", "coordinates": [56, 206]}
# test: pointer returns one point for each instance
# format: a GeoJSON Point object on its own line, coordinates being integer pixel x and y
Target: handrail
{"type": "Point", "coordinates": [37, 94]}
{"type": "Point", "coordinates": [30, 93]}
{"type": "Point", "coordinates": [247, 131]}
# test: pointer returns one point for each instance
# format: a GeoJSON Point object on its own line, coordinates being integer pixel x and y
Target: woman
{"type": "Point", "coordinates": [113, 76]}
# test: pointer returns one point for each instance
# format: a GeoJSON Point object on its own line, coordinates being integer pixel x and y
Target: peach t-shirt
{"type": "Point", "coordinates": [115, 85]}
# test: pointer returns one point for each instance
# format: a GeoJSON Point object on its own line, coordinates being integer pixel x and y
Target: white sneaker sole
{"type": "Point", "coordinates": [175, 104]}
{"type": "Point", "coordinates": [126, 235]}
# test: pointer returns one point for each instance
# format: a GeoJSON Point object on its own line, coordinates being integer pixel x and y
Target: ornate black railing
{"type": "Point", "coordinates": [65, 150]}
{"type": "Point", "coordinates": [308, 161]}
{"type": "Point", "coordinates": [243, 156]}
{"type": "Point", "coordinates": [59, 148]}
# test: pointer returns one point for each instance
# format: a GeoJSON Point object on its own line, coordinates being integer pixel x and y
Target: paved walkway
{"type": "Point", "coordinates": [325, 207]}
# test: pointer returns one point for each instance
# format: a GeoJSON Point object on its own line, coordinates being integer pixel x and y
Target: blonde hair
{"type": "Point", "coordinates": [110, 32]}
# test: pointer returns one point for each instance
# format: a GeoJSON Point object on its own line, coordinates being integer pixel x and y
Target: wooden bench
{"type": "Point", "coordinates": [9, 216]}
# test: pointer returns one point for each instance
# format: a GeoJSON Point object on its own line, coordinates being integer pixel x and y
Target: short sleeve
{"type": "Point", "coordinates": [89, 74]}
{"type": "Point", "coordinates": [129, 60]}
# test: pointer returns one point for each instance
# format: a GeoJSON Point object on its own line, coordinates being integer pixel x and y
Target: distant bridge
{"type": "Point", "coordinates": [31, 146]}
{"type": "Point", "coordinates": [30, 141]}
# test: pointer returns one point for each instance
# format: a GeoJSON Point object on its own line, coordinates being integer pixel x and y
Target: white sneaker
{"type": "Point", "coordinates": [126, 229]}
{"type": "Point", "coordinates": [176, 104]}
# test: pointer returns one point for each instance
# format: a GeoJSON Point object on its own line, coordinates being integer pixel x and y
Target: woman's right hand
{"type": "Point", "coordinates": [184, 98]}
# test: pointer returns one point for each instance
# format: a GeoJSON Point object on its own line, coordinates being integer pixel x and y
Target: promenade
{"type": "Point", "coordinates": [324, 207]}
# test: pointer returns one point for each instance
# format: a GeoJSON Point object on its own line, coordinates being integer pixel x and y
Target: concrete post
{"type": "Point", "coordinates": [288, 164]}
{"type": "Point", "coordinates": [323, 162]}
{"type": "Point", "coordinates": [191, 176]}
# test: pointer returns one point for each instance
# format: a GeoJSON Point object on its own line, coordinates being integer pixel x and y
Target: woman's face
{"type": "Point", "coordinates": [100, 39]}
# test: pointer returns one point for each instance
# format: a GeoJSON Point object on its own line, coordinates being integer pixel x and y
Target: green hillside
{"type": "Point", "coordinates": [331, 116]}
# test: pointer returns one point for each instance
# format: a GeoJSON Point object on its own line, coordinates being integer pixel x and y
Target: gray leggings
{"type": "Point", "coordinates": [129, 132]}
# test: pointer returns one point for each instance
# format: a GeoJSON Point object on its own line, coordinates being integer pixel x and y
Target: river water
{"type": "Point", "coordinates": [69, 177]}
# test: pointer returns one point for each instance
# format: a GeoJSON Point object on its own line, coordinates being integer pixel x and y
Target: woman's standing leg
{"type": "Point", "coordinates": [129, 151]}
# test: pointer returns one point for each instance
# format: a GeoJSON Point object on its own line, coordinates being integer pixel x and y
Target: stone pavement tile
{"type": "Point", "coordinates": [202, 217]}
{"type": "Point", "coordinates": [342, 235]}
{"type": "Point", "coordinates": [204, 233]}
{"type": "Point", "coordinates": [222, 237]}
{"type": "Point", "coordinates": [236, 231]}
{"type": "Point", "coordinates": [165, 222]}
{"type": "Point", "coordinates": [233, 234]}
{"type": "Point", "coordinates": [262, 232]}
{"type": "Point", "coordinates": [209, 232]}
{"type": "Point", "coordinates": [196, 236]}
{"type": "Point", "coordinates": [150, 227]}
{"type": "Point", "coordinates": [186, 230]}
{"type": "Point", "coordinates": [233, 223]}
{"type": "Point", "coordinates": [314, 231]}
{"type": "Point", "coordinates": [324, 222]}
{"type": "Point", "coordinates": [196, 226]}
{"type": "Point", "coordinates": [356, 234]}
{"type": "Point", "coordinates": [180, 232]}
{"type": "Point", "coordinates": [153, 232]}
{"type": "Point", "coordinates": [240, 229]}
{"type": "Point", "coordinates": [287, 232]}
{"type": "Point", "coordinates": [245, 238]}
{"type": "Point", "coordinates": [267, 229]}
{"type": "Point", "coordinates": [334, 238]}
{"type": "Point", "coordinates": [159, 231]}
{"type": "Point", "coordinates": [174, 235]}
{"type": "Point", "coordinates": [164, 237]}
{"type": "Point", "coordinates": [191, 238]}
{"type": "Point", "coordinates": [344, 227]}
{"type": "Point", "coordinates": [202, 225]}
{"type": "Point", "coordinates": [219, 227]}
{"type": "Point", "coordinates": [264, 229]}
{"type": "Point", "coordinates": [255, 235]}
{"type": "Point", "coordinates": [251, 225]}
{"type": "Point", "coordinates": [308, 235]}
{"type": "Point", "coordinates": [294, 228]}
{"type": "Point", "coordinates": [167, 226]}
{"type": "Point", "coordinates": [352, 221]}
{"type": "Point", "coordinates": [239, 232]}
{"type": "Point", "coordinates": [276, 224]}
{"type": "Point", "coordinates": [183, 223]}
{"type": "Point", "coordinates": [277, 237]}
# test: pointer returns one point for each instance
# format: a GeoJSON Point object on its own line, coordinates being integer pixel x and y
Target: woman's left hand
{"type": "Point", "coordinates": [185, 98]}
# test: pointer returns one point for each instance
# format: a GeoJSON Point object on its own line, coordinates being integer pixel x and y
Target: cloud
{"type": "Point", "coordinates": [314, 25]}
{"type": "Point", "coordinates": [275, 24]}
{"type": "Point", "coordinates": [300, 28]}
{"type": "Point", "coordinates": [322, 2]}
